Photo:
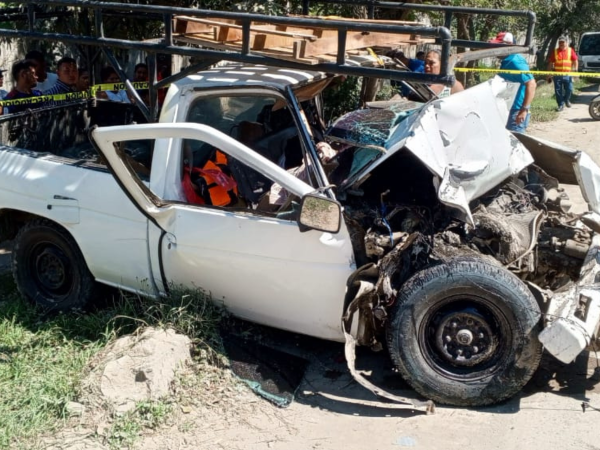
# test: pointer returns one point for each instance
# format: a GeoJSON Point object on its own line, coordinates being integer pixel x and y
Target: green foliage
{"type": "Point", "coordinates": [146, 415]}
{"type": "Point", "coordinates": [543, 107]}
{"type": "Point", "coordinates": [342, 97]}
{"type": "Point", "coordinates": [42, 358]}
{"type": "Point", "coordinates": [40, 367]}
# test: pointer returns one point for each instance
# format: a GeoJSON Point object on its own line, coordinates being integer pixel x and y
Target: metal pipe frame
{"type": "Point", "coordinates": [448, 11]}
{"type": "Point", "coordinates": [100, 8]}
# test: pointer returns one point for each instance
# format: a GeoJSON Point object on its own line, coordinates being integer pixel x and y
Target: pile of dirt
{"type": "Point", "coordinates": [138, 368]}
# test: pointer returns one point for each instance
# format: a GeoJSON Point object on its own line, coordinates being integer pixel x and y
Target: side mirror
{"type": "Point", "coordinates": [319, 213]}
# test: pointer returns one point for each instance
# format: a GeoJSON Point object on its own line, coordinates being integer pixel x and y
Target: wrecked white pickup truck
{"type": "Point", "coordinates": [444, 237]}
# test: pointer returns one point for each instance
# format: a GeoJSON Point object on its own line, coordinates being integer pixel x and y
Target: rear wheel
{"type": "Point", "coordinates": [465, 333]}
{"type": "Point", "coordinates": [49, 269]}
{"type": "Point", "coordinates": [594, 108]}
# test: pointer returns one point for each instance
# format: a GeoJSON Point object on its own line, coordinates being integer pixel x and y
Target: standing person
{"type": "Point", "coordinates": [140, 74]}
{"type": "Point", "coordinates": [109, 75]}
{"type": "Point", "coordinates": [563, 59]}
{"type": "Point", "coordinates": [25, 80]}
{"type": "Point", "coordinates": [68, 75]}
{"type": "Point", "coordinates": [2, 90]}
{"type": "Point", "coordinates": [46, 80]}
{"type": "Point", "coordinates": [518, 117]}
{"type": "Point", "coordinates": [433, 65]}
{"type": "Point", "coordinates": [83, 82]}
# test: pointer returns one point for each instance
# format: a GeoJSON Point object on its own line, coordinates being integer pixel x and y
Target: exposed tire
{"type": "Point", "coordinates": [49, 268]}
{"type": "Point", "coordinates": [594, 108]}
{"type": "Point", "coordinates": [465, 333]}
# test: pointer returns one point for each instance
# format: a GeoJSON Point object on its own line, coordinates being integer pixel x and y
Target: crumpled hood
{"type": "Point", "coordinates": [461, 139]}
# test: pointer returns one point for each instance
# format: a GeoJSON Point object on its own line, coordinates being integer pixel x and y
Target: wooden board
{"type": "Point", "coordinates": [310, 45]}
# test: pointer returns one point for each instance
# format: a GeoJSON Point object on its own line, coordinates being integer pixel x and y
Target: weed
{"type": "Point", "coordinates": [126, 428]}
{"type": "Point", "coordinates": [42, 358]}
{"type": "Point", "coordinates": [40, 370]}
{"type": "Point", "coordinates": [543, 108]}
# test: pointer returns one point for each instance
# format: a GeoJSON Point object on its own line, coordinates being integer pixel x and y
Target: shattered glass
{"type": "Point", "coordinates": [368, 131]}
{"type": "Point", "coordinates": [370, 128]}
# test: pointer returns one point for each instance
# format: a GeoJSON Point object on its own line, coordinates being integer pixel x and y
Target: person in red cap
{"type": "Point", "coordinates": [518, 118]}
{"type": "Point", "coordinates": [503, 37]}
{"type": "Point", "coordinates": [563, 59]}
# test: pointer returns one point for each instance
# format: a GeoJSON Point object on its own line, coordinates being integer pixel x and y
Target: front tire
{"type": "Point", "coordinates": [465, 333]}
{"type": "Point", "coordinates": [49, 269]}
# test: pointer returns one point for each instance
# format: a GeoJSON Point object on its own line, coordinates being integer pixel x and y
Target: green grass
{"type": "Point", "coordinates": [146, 415]}
{"type": "Point", "coordinates": [543, 107]}
{"type": "Point", "coordinates": [42, 358]}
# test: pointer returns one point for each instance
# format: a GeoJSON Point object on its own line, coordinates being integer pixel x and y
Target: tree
{"type": "Point", "coordinates": [566, 17]}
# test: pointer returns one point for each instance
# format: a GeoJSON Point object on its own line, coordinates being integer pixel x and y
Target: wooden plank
{"type": "Point", "coordinates": [374, 21]}
{"type": "Point", "coordinates": [258, 40]}
{"type": "Point", "coordinates": [186, 26]}
{"type": "Point", "coordinates": [228, 25]}
{"type": "Point", "coordinates": [354, 40]}
{"type": "Point", "coordinates": [281, 53]}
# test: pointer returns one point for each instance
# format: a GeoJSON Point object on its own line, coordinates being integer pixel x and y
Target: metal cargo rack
{"type": "Point", "coordinates": [301, 42]}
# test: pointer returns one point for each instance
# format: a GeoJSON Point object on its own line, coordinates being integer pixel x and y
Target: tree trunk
{"type": "Point", "coordinates": [464, 26]}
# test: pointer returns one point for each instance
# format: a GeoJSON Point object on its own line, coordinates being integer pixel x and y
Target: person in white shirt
{"type": "Point", "coordinates": [3, 91]}
{"type": "Point", "coordinates": [46, 80]}
{"type": "Point", "coordinates": [109, 75]}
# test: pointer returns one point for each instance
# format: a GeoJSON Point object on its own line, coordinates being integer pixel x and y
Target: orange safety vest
{"type": "Point", "coordinates": [218, 187]}
{"type": "Point", "coordinates": [562, 65]}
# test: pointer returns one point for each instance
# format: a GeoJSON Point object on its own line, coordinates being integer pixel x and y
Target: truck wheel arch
{"type": "Point", "coordinates": [11, 220]}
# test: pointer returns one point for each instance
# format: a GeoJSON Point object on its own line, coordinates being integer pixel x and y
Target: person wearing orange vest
{"type": "Point", "coordinates": [563, 59]}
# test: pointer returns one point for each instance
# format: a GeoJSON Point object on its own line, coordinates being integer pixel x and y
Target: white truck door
{"type": "Point", "coordinates": [261, 267]}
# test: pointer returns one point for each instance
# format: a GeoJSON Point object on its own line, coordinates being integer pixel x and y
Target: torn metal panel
{"type": "Point", "coordinates": [474, 151]}
{"type": "Point", "coordinates": [349, 351]}
{"type": "Point", "coordinates": [366, 301]}
{"type": "Point", "coordinates": [461, 139]}
{"type": "Point", "coordinates": [568, 165]}
{"type": "Point", "coordinates": [574, 314]}
{"type": "Point", "coordinates": [588, 176]}
{"type": "Point", "coordinates": [557, 160]}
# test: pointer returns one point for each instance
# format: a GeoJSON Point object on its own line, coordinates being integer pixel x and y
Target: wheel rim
{"type": "Point", "coordinates": [595, 110]}
{"type": "Point", "coordinates": [465, 337]}
{"type": "Point", "coordinates": [51, 271]}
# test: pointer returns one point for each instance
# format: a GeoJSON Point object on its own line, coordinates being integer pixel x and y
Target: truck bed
{"type": "Point", "coordinates": [63, 130]}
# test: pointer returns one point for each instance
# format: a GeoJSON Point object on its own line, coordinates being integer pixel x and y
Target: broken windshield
{"type": "Point", "coordinates": [366, 132]}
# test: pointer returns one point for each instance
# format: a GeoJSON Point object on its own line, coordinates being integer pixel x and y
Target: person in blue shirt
{"type": "Point", "coordinates": [418, 64]}
{"type": "Point", "coordinates": [413, 64]}
{"type": "Point", "coordinates": [518, 118]}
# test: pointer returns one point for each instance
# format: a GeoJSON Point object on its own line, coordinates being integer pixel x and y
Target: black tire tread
{"type": "Point", "coordinates": [88, 283]}
{"type": "Point", "coordinates": [467, 269]}
{"type": "Point", "coordinates": [594, 109]}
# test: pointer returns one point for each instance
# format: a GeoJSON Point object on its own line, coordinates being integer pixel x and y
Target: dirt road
{"type": "Point", "coordinates": [332, 412]}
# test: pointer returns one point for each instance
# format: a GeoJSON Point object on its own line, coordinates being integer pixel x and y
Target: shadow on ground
{"type": "Point", "coordinates": [328, 385]}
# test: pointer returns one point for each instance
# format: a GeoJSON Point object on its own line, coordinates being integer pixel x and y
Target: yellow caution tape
{"type": "Point", "coordinates": [533, 72]}
{"type": "Point", "coordinates": [70, 96]}
{"type": "Point", "coordinates": [120, 86]}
